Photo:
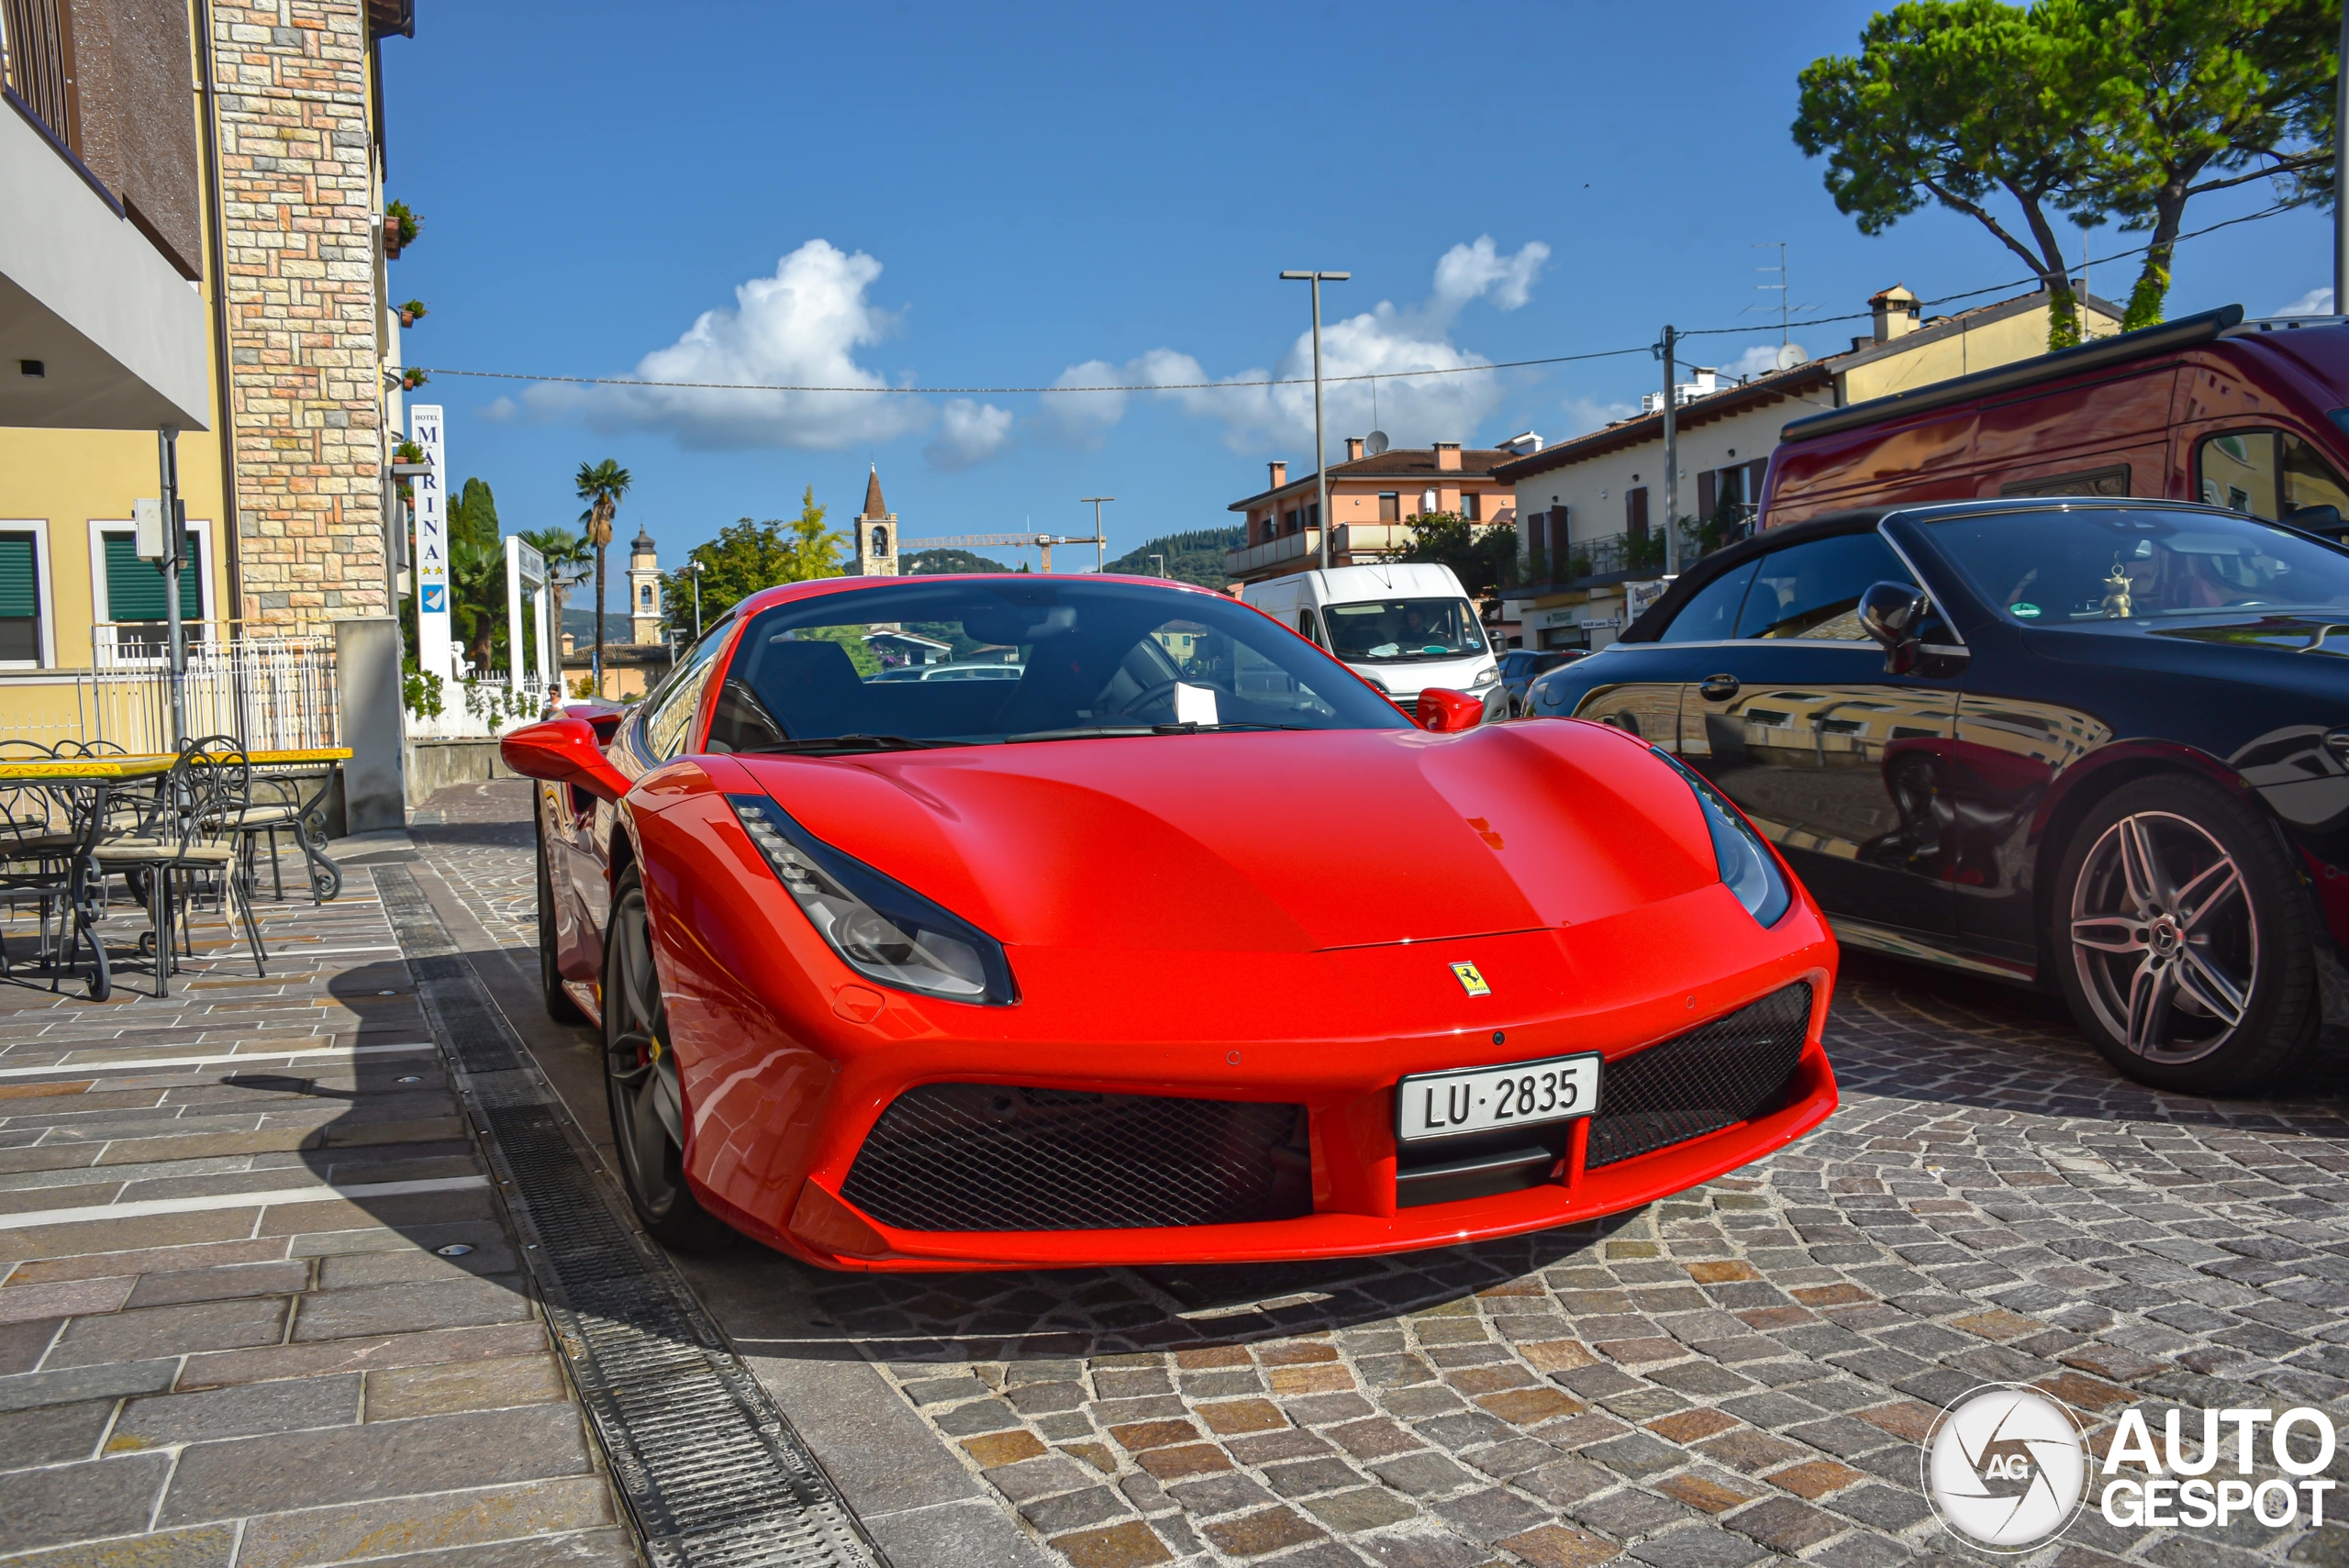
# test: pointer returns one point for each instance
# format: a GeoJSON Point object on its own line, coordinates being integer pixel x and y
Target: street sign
{"type": "Point", "coordinates": [432, 649]}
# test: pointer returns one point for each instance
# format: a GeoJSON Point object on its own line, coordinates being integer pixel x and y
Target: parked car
{"type": "Point", "coordinates": [1043, 973]}
{"type": "Point", "coordinates": [2102, 746]}
{"type": "Point", "coordinates": [2249, 416]}
{"type": "Point", "coordinates": [1519, 666]}
{"type": "Point", "coordinates": [1403, 627]}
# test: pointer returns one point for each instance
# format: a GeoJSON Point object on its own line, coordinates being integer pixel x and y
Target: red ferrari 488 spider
{"type": "Point", "coordinates": [954, 922]}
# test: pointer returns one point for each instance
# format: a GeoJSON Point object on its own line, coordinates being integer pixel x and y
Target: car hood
{"type": "Point", "coordinates": [1291, 841]}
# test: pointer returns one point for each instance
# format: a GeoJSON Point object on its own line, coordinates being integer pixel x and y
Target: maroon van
{"type": "Point", "coordinates": [2251, 416]}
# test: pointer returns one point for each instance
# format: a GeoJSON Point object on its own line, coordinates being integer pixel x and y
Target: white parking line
{"type": "Point", "coordinates": [250, 1058]}
{"type": "Point", "coordinates": [356, 1193]}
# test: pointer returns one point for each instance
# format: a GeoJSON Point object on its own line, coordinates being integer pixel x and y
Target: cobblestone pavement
{"type": "Point", "coordinates": [257, 1303]}
{"type": "Point", "coordinates": [1741, 1372]}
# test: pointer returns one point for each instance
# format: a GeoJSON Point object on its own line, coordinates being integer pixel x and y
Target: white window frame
{"type": "Point", "coordinates": [38, 528]}
{"type": "Point", "coordinates": [198, 528]}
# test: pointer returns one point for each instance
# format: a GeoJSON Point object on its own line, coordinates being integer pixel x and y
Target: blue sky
{"type": "Point", "coordinates": [946, 195]}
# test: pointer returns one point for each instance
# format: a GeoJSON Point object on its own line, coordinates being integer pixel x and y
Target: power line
{"type": "Point", "coordinates": [1289, 380]}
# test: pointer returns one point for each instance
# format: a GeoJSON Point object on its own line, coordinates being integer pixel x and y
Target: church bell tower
{"type": "Point", "coordinates": [876, 534]}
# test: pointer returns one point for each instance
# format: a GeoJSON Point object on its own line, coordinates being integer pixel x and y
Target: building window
{"type": "Point", "coordinates": [20, 597]}
{"type": "Point", "coordinates": [1635, 512]}
{"type": "Point", "coordinates": [1472, 506]}
{"type": "Point", "coordinates": [1390, 507]}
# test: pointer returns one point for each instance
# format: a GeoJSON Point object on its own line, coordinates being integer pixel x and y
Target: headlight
{"type": "Point", "coordinates": [1489, 675]}
{"type": "Point", "coordinates": [1748, 868]}
{"type": "Point", "coordinates": [1376, 681]}
{"type": "Point", "coordinates": [882, 929]}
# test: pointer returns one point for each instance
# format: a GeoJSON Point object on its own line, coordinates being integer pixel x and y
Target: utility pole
{"type": "Point", "coordinates": [1671, 457]}
{"type": "Point", "coordinates": [167, 463]}
{"type": "Point", "coordinates": [1098, 536]}
{"type": "Point", "coordinates": [2341, 177]}
{"type": "Point", "coordinates": [1321, 443]}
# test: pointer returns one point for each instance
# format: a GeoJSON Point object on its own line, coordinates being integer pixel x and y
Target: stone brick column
{"type": "Point", "coordinates": [299, 195]}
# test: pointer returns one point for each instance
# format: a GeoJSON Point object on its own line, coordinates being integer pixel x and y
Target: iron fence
{"type": "Point", "coordinates": [272, 692]}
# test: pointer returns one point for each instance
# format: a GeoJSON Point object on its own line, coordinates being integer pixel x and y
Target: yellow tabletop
{"type": "Point", "coordinates": [64, 770]}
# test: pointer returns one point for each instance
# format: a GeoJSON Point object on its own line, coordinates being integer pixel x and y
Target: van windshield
{"type": "Point", "coordinates": [1391, 631]}
{"type": "Point", "coordinates": [2099, 563]}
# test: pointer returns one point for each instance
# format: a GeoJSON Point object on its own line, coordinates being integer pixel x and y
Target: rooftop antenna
{"type": "Point", "coordinates": [1786, 309]}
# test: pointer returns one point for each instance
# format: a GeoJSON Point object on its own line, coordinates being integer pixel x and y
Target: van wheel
{"type": "Point", "coordinates": [2184, 940]}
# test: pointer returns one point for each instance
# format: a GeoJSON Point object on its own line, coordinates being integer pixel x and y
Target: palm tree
{"type": "Point", "coordinates": [566, 556]}
{"type": "Point", "coordinates": [601, 485]}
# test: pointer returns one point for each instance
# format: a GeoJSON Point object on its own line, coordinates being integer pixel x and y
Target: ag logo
{"type": "Point", "coordinates": [2006, 1467]}
{"type": "Point", "coordinates": [1470, 981]}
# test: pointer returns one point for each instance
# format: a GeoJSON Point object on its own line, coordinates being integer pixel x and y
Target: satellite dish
{"type": "Point", "coordinates": [1790, 355]}
{"type": "Point", "coordinates": [1374, 443]}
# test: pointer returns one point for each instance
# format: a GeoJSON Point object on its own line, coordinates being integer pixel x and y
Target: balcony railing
{"type": "Point", "coordinates": [37, 62]}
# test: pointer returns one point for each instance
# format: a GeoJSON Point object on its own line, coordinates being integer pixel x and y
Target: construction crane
{"type": "Point", "coordinates": [1043, 542]}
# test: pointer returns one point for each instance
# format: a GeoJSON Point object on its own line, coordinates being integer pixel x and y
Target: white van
{"type": "Point", "coordinates": [1401, 626]}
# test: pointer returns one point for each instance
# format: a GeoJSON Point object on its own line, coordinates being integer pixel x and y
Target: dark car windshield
{"type": "Point", "coordinates": [970, 661]}
{"type": "Point", "coordinates": [2055, 567]}
{"type": "Point", "coordinates": [1392, 631]}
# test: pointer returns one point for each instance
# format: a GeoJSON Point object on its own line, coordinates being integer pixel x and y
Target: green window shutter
{"type": "Point", "coordinates": [19, 588]}
{"type": "Point", "coordinates": [135, 587]}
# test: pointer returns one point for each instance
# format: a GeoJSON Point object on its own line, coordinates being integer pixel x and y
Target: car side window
{"type": "Point", "coordinates": [1712, 615]}
{"type": "Point", "coordinates": [672, 719]}
{"type": "Point", "coordinates": [1812, 590]}
{"type": "Point", "coordinates": [1310, 624]}
{"type": "Point", "coordinates": [2266, 474]}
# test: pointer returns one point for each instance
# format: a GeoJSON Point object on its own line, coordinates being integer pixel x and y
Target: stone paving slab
{"type": "Point", "coordinates": [1739, 1373]}
{"type": "Point", "coordinates": [258, 1302]}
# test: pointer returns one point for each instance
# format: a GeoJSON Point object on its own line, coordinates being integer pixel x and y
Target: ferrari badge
{"type": "Point", "coordinates": [1470, 981]}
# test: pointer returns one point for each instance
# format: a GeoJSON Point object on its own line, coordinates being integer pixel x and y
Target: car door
{"type": "Point", "coordinates": [1796, 719]}
{"type": "Point", "coordinates": [1636, 686]}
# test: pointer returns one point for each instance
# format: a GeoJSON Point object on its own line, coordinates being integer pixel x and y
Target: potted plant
{"type": "Point", "coordinates": [412, 312]}
{"type": "Point", "coordinates": [400, 227]}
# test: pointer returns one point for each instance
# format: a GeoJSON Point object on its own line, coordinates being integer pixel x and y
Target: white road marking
{"type": "Point", "coordinates": [249, 1058]}
{"type": "Point", "coordinates": [357, 1193]}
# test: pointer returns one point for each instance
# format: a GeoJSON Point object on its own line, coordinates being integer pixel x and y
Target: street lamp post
{"type": "Point", "coordinates": [694, 566]}
{"type": "Point", "coordinates": [1160, 561]}
{"type": "Point", "coordinates": [1095, 501]}
{"type": "Point", "coordinates": [1320, 445]}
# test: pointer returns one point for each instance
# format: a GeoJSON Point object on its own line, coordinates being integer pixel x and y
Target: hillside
{"type": "Point", "coordinates": [939, 562]}
{"type": "Point", "coordinates": [1194, 557]}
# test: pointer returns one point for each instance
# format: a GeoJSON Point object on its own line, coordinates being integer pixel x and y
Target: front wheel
{"type": "Point", "coordinates": [640, 1079]}
{"type": "Point", "coordinates": [2184, 940]}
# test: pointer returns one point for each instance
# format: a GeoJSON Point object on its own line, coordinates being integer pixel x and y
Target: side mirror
{"type": "Point", "coordinates": [1890, 612]}
{"type": "Point", "coordinates": [563, 750]}
{"type": "Point", "coordinates": [605, 719]}
{"type": "Point", "coordinates": [1447, 712]}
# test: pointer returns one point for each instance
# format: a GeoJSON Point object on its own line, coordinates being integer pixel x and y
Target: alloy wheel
{"type": "Point", "coordinates": [647, 1119]}
{"type": "Point", "coordinates": [2165, 937]}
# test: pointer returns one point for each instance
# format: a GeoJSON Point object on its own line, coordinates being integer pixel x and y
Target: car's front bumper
{"type": "Point", "coordinates": [781, 1106]}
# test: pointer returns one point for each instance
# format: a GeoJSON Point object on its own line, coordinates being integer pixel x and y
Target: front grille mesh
{"type": "Point", "coordinates": [993, 1157]}
{"type": "Point", "coordinates": [1728, 1070]}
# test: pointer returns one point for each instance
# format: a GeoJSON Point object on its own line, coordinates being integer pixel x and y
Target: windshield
{"type": "Point", "coordinates": [2096, 563]}
{"type": "Point", "coordinates": [961, 660]}
{"type": "Point", "coordinates": [1386, 631]}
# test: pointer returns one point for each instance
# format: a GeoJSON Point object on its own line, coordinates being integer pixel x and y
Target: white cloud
{"type": "Point", "coordinates": [1585, 414]}
{"type": "Point", "coordinates": [2316, 302]}
{"type": "Point", "coordinates": [1384, 342]}
{"type": "Point", "coordinates": [801, 326]}
{"type": "Point", "coordinates": [968, 435]}
{"type": "Point", "coordinates": [1760, 360]}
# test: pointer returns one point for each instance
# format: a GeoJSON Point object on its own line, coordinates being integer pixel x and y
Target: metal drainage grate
{"type": "Point", "coordinates": [712, 1472]}
{"type": "Point", "coordinates": [1716, 1075]}
{"type": "Point", "coordinates": [994, 1157]}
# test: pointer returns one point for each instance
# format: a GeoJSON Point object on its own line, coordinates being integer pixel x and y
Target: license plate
{"type": "Point", "coordinates": [1478, 1099]}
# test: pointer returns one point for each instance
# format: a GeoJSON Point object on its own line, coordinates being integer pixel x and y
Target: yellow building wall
{"type": "Point", "coordinates": [2017, 337]}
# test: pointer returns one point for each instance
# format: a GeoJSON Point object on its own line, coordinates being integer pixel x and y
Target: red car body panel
{"type": "Point", "coordinates": [1182, 919]}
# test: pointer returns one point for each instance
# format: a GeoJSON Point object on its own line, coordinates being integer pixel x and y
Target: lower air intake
{"type": "Point", "coordinates": [1730, 1071]}
{"type": "Point", "coordinates": [987, 1157]}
